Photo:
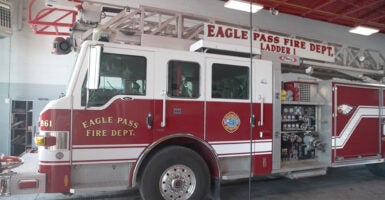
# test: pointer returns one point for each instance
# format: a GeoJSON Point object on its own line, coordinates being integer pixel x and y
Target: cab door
{"type": "Point", "coordinates": [228, 106]}
{"type": "Point", "coordinates": [179, 104]}
{"type": "Point", "coordinates": [238, 116]}
{"type": "Point", "coordinates": [111, 123]}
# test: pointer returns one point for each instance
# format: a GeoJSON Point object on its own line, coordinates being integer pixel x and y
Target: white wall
{"type": "Point", "coordinates": [32, 61]}
{"type": "Point", "coordinates": [4, 59]}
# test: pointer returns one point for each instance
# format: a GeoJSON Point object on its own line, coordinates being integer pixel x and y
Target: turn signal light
{"type": "Point", "coordinates": [46, 141]}
{"type": "Point", "coordinates": [40, 140]}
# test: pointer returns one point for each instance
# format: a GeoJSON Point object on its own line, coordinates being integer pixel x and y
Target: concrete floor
{"type": "Point", "coordinates": [354, 183]}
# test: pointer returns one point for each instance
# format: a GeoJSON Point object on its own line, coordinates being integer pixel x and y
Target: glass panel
{"type": "Point", "coordinates": [183, 79]}
{"type": "Point", "coordinates": [119, 75]}
{"type": "Point", "coordinates": [230, 82]}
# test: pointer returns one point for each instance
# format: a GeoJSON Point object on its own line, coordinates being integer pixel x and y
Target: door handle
{"type": "Point", "coordinates": [149, 120]}
{"type": "Point", "coordinates": [126, 98]}
{"type": "Point", "coordinates": [252, 121]}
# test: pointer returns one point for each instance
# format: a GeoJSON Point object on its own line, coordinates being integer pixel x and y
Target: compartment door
{"type": "Point", "coordinates": [357, 131]}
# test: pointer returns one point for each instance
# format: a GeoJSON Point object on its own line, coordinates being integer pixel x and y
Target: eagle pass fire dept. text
{"type": "Point", "coordinates": [270, 42]}
{"type": "Point", "coordinates": [90, 124]}
{"type": "Point", "coordinates": [174, 123]}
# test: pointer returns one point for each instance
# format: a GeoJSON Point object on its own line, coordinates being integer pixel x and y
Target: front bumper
{"type": "Point", "coordinates": [24, 179]}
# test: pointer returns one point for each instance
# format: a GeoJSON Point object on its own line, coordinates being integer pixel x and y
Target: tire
{"type": "Point", "coordinates": [175, 173]}
{"type": "Point", "coordinates": [377, 169]}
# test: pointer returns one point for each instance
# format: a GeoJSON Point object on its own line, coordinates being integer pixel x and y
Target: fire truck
{"type": "Point", "coordinates": [176, 121]}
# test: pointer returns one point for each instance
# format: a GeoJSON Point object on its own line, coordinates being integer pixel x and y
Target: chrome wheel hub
{"type": "Point", "coordinates": [178, 182]}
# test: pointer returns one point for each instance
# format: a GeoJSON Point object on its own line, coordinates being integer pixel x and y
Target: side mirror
{"type": "Point", "coordinates": [94, 66]}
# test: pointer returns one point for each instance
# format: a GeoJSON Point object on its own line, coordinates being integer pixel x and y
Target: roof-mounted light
{"type": "Point", "coordinates": [243, 6]}
{"type": "Point", "coordinates": [362, 30]}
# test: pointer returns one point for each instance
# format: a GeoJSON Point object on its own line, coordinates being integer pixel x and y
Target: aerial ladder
{"type": "Point", "coordinates": [93, 20]}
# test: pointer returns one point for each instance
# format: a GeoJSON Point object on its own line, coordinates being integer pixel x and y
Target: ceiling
{"type": "Point", "coordinates": [370, 13]}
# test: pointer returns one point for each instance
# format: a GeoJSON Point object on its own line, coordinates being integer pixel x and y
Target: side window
{"type": "Point", "coordinates": [119, 75]}
{"type": "Point", "coordinates": [230, 81]}
{"type": "Point", "coordinates": [183, 79]}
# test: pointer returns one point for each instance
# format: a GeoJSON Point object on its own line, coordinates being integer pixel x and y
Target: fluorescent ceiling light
{"type": "Point", "coordinates": [363, 30]}
{"type": "Point", "coordinates": [243, 6]}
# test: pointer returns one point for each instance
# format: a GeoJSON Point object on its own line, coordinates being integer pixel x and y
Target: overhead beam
{"type": "Point", "coordinates": [363, 5]}
{"type": "Point", "coordinates": [318, 7]}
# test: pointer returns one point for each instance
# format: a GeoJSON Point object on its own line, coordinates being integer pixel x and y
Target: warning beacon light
{"type": "Point", "coordinates": [61, 46]}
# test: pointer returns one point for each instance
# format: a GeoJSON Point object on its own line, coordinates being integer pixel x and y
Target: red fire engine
{"type": "Point", "coordinates": [175, 123]}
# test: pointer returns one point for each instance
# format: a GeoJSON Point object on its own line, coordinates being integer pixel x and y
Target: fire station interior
{"type": "Point", "coordinates": [40, 42]}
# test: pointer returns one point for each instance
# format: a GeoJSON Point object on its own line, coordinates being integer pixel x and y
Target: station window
{"type": "Point", "coordinates": [119, 75]}
{"type": "Point", "coordinates": [230, 81]}
{"type": "Point", "coordinates": [183, 79]}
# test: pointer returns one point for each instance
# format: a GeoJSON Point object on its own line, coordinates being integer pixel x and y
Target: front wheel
{"type": "Point", "coordinates": [175, 173]}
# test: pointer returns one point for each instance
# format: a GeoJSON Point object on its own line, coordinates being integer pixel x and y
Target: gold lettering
{"type": "Point", "coordinates": [119, 120]}
{"type": "Point", "coordinates": [96, 121]}
{"type": "Point", "coordinates": [92, 123]}
{"type": "Point", "coordinates": [136, 124]}
{"type": "Point", "coordinates": [122, 133]}
{"type": "Point", "coordinates": [130, 123]}
{"type": "Point", "coordinates": [96, 133]}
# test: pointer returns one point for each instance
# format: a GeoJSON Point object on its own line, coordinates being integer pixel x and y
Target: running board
{"type": "Point", "coordinates": [100, 187]}
{"type": "Point", "coordinates": [354, 162]}
{"type": "Point", "coordinates": [306, 173]}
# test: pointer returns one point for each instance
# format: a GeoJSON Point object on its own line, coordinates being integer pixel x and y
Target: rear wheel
{"type": "Point", "coordinates": [175, 173]}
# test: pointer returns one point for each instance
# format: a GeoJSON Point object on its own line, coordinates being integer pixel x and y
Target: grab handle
{"type": "Point", "coordinates": [260, 123]}
{"type": "Point", "coordinates": [163, 123]}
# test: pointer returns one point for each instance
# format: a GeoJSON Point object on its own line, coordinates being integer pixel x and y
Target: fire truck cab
{"type": "Point", "coordinates": [133, 114]}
